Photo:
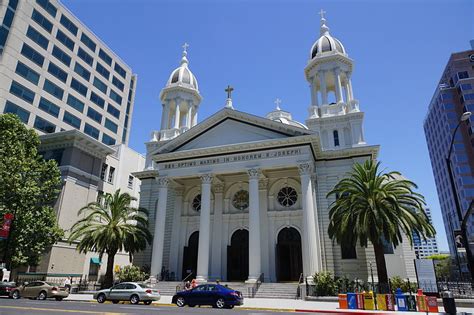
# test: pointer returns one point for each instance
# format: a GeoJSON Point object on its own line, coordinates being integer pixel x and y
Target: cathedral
{"type": "Point", "coordinates": [238, 197]}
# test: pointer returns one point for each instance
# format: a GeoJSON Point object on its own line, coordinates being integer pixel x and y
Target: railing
{"type": "Point", "coordinates": [252, 291]}
{"type": "Point", "coordinates": [178, 287]}
{"type": "Point", "coordinates": [298, 289]}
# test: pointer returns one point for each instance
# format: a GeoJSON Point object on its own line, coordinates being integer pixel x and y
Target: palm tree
{"type": "Point", "coordinates": [110, 226]}
{"type": "Point", "coordinates": [372, 206]}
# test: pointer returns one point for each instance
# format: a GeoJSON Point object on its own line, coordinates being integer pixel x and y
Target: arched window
{"type": "Point", "coordinates": [336, 138]}
{"type": "Point", "coordinates": [196, 204]}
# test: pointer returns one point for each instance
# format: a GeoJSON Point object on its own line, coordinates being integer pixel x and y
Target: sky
{"type": "Point", "coordinates": [400, 49]}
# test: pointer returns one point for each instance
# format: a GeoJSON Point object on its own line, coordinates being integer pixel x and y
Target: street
{"type": "Point", "coordinates": [27, 307]}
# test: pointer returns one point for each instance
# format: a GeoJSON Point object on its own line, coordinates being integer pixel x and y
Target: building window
{"type": "Point", "coordinates": [110, 125]}
{"type": "Point", "coordinates": [91, 131]}
{"type": "Point", "coordinates": [27, 73]}
{"type": "Point", "coordinates": [57, 72]}
{"type": "Point", "coordinates": [130, 181]}
{"type": "Point", "coordinates": [110, 178]}
{"type": "Point", "coordinates": [463, 75]}
{"type": "Point", "coordinates": [118, 83]}
{"type": "Point", "coordinates": [48, 107]}
{"type": "Point", "coordinates": [88, 42]}
{"type": "Point", "coordinates": [85, 56]}
{"type": "Point", "coordinates": [287, 196]}
{"type": "Point", "coordinates": [53, 89]}
{"type": "Point", "coordinates": [61, 55]}
{"type": "Point", "coordinates": [113, 111]}
{"type": "Point", "coordinates": [336, 138]}
{"type": "Point", "coordinates": [95, 115]}
{"type": "Point", "coordinates": [75, 103]}
{"type": "Point", "coordinates": [387, 246]}
{"type": "Point", "coordinates": [17, 110]}
{"type": "Point", "coordinates": [120, 70]}
{"type": "Point", "coordinates": [97, 99]}
{"type": "Point", "coordinates": [117, 98]}
{"type": "Point", "coordinates": [241, 200]}
{"type": "Point", "coordinates": [67, 23]}
{"type": "Point", "coordinates": [32, 54]}
{"type": "Point", "coordinates": [348, 252]}
{"type": "Point", "coordinates": [108, 140]}
{"type": "Point", "coordinates": [72, 120]}
{"type": "Point", "coordinates": [42, 21]}
{"type": "Point", "coordinates": [82, 71]}
{"type": "Point", "coordinates": [48, 7]}
{"type": "Point", "coordinates": [100, 85]}
{"type": "Point", "coordinates": [101, 69]}
{"type": "Point", "coordinates": [103, 171]}
{"type": "Point", "coordinates": [79, 87]}
{"type": "Point", "coordinates": [22, 92]}
{"type": "Point", "coordinates": [65, 40]}
{"type": "Point", "coordinates": [105, 57]}
{"type": "Point", "coordinates": [44, 125]}
{"type": "Point", "coordinates": [36, 36]}
{"type": "Point", "coordinates": [197, 203]}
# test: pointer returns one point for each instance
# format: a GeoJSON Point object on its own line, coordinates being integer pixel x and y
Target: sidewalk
{"type": "Point", "coordinates": [280, 304]}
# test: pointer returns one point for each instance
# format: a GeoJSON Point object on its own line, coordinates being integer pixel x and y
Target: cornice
{"type": "Point", "coordinates": [148, 173]}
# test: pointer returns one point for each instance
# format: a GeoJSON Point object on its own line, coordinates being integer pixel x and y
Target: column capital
{"type": "Point", "coordinates": [305, 168]}
{"type": "Point", "coordinates": [253, 173]}
{"type": "Point", "coordinates": [337, 70]}
{"type": "Point", "coordinates": [206, 178]}
{"type": "Point", "coordinates": [218, 188]}
{"type": "Point", "coordinates": [263, 183]}
{"type": "Point", "coordinates": [162, 181]}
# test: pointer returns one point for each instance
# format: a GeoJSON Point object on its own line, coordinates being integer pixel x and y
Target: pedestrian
{"type": "Point", "coordinates": [193, 283]}
{"type": "Point", "coordinates": [187, 286]}
{"type": "Point", "coordinates": [67, 284]}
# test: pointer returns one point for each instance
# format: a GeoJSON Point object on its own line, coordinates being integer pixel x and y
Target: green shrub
{"type": "Point", "coordinates": [325, 283]}
{"type": "Point", "coordinates": [397, 282]}
{"type": "Point", "coordinates": [131, 273]}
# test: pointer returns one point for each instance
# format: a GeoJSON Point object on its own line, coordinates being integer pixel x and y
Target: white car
{"type": "Point", "coordinates": [128, 291]}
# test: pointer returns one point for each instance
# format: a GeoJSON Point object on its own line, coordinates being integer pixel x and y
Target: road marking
{"type": "Point", "coordinates": [58, 310]}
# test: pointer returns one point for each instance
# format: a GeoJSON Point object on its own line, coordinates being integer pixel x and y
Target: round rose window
{"type": "Point", "coordinates": [287, 196]}
{"type": "Point", "coordinates": [241, 200]}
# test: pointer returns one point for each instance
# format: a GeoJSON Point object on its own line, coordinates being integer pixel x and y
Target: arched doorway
{"type": "Point", "coordinates": [289, 260]}
{"type": "Point", "coordinates": [190, 255]}
{"type": "Point", "coordinates": [238, 256]}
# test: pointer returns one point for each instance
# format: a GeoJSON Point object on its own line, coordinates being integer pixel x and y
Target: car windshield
{"type": "Point", "coordinates": [144, 286]}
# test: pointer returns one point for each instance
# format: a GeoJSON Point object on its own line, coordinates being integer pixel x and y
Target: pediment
{"type": "Point", "coordinates": [229, 127]}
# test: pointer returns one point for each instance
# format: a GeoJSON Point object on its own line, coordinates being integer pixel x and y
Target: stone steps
{"type": "Point", "coordinates": [277, 290]}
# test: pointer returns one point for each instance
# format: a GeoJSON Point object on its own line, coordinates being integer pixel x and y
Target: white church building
{"type": "Point", "coordinates": [236, 196]}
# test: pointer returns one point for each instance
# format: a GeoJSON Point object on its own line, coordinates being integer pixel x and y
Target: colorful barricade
{"type": "Point", "coordinates": [381, 302]}
{"type": "Point", "coordinates": [369, 302]}
{"type": "Point", "coordinates": [411, 303]}
{"type": "Point", "coordinates": [401, 300]}
{"type": "Point", "coordinates": [360, 300]}
{"type": "Point", "coordinates": [352, 301]}
{"type": "Point", "coordinates": [342, 298]}
{"type": "Point", "coordinates": [432, 304]}
{"type": "Point", "coordinates": [421, 301]}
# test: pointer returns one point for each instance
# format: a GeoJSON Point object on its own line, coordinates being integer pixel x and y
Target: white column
{"type": "Point", "coordinates": [165, 120]}
{"type": "Point", "coordinates": [309, 228]}
{"type": "Point", "coordinates": [349, 86]}
{"type": "Point", "coordinates": [177, 116]}
{"type": "Point", "coordinates": [175, 239]}
{"type": "Point", "coordinates": [263, 187]}
{"type": "Point", "coordinates": [216, 261]}
{"type": "Point", "coordinates": [163, 117]}
{"type": "Point", "coordinates": [346, 92]}
{"type": "Point", "coordinates": [195, 116]}
{"type": "Point", "coordinates": [254, 227]}
{"type": "Point", "coordinates": [322, 84]}
{"type": "Point", "coordinates": [204, 229]}
{"type": "Point", "coordinates": [337, 82]}
{"type": "Point", "coordinates": [189, 117]}
{"type": "Point", "coordinates": [314, 92]}
{"type": "Point", "coordinates": [159, 235]}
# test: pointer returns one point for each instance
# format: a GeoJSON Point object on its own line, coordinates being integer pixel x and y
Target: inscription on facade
{"type": "Point", "coordinates": [234, 158]}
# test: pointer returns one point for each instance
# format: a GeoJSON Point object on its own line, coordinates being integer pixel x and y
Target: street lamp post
{"type": "Point", "coordinates": [465, 116]}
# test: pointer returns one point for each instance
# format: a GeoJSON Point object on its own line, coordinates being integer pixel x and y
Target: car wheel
{"type": "Point", "coordinates": [147, 302]}
{"type": "Point", "coordinates": [229, 306]}
{"type": "Point", "coordinates": [180, 302]}
{"type": "Point", "coordinates": [16, 294]}
{"type": "Point", "coordinates": [42, 295]}
{"type": "Point", "coordinates": [220, 303]}
{"type": "Point", "coordinates": [59, 298]}
{"type": "Point", "coordinates": [134, 299]}
{"type": "Point", "coordinates": [115, 301]}
{"type": "Point", "coordinates": [101, 298]}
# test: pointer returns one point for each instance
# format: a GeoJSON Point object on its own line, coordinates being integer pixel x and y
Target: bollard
{"type": "Point", "coordinates": [448, 302]}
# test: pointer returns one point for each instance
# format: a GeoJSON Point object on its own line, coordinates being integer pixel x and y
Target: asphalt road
{"type": "Point", "coordinates": [29, 307]}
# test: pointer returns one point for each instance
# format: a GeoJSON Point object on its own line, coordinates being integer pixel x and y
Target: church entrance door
{"type": "Point", "coordinates": [238, 256]}
{"type": "Point", "coordinates": [190, 256]}
{"type": "Point", "coordinates": [288, 255]}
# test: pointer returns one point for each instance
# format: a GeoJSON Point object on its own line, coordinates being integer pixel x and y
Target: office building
{"type": "Point", "coordinates": [425, 247]}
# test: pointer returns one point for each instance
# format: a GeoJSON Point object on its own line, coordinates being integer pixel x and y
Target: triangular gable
{"type": "Point", "coordinates": [231, 127]}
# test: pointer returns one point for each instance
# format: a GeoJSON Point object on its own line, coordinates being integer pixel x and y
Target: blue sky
{"type": "Point", "coordinates": [400, 49]}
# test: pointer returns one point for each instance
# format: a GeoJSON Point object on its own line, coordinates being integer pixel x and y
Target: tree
{"type": "Point", "coordinates": [110, 226]}
{"type": "Point", "coordinates": [29, 186]}
{"type": "Point", "coordinates": [442, 263]}
{"type": "Point", "coordinates": [131, 274]}
{"type": "Point", "coordinates": [376, 207]}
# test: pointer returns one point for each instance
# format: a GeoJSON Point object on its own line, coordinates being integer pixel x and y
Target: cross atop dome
{"type": "Point", "coordinates": [184, 60]}
{"type": "Point", "coordinates": [324, 28]}
{"type": "Point", "coordinates": [228, 102]}
{"type": "Point", "coordinates": [322, 13]}
{"type": "Point", "coordinates": [185, 47]}
{"type": "Point", "coordinates": [277, 103]}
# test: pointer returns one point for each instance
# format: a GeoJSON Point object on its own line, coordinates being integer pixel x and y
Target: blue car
{"type": "Point", "coordinates": [216, 295]}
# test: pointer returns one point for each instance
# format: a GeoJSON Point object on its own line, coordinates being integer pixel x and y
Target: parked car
{"type": "Point", "coordinates": [216, 295]}
{"type": "Point", "coordinates": [41, 290]}
{"type": "Point", "coordinates": [128, 291]}
{"type": "Point", "coordinates": [6, 288]}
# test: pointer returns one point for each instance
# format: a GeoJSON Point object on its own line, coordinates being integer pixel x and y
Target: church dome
{"type": "Point", "coordinates": [326, 43]}
{"type": "Point", "coordinates": [182, 76]}
{"type": "Point", "coordinates": [284, 117]}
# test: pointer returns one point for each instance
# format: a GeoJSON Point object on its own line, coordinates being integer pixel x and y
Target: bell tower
{"type": "Point", "coordinates": [333, 112]}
